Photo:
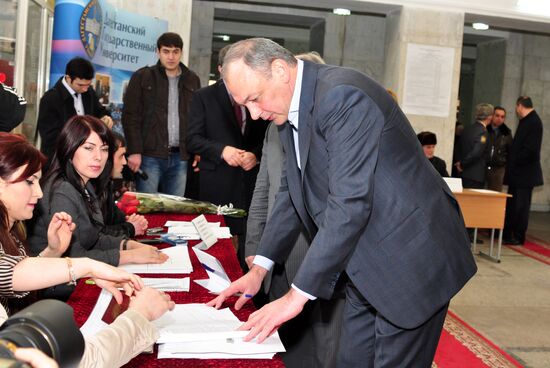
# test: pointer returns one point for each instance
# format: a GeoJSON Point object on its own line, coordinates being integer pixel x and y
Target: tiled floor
{"type": "Point", "coordinates": [509, 302]}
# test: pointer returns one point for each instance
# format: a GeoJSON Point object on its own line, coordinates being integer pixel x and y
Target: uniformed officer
{"type": "Point", "coordinates": [472, 166]}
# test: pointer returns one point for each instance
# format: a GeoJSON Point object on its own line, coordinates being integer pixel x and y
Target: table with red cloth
{"type": "Point", "coordinates": [85, 296]}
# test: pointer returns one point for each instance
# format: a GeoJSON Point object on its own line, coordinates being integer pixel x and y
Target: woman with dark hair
{"type": "Point", "coordinates": [77, 184]}
{"type": "Point", "coordinates": [131, 332]}
{"type": "Point", "coordinates": [116, 221]}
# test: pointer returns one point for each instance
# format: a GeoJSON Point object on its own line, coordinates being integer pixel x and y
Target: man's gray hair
{"type": "Point", "coordinates": [258, 54]}
{"type": "Point", "coordinates": [484, 110]}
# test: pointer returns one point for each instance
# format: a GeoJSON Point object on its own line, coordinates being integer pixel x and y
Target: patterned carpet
{"type": "Point", "coordinates": [534, 248]}
{"type": "Point", "coordinates": [462, 346]}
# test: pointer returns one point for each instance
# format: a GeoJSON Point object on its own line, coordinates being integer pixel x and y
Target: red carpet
{"type": "Point", "coordinates": [534, 248]}
{"type": "Point", "coordinates": [461, 346]}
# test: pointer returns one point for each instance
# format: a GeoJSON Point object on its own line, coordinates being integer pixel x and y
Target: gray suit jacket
{"type": "Point", "coordinates": [87, 239]}
{"type": "Point", "coordinates": [369, 199]}
{"type": "Point", "coordinates": [267, 186]}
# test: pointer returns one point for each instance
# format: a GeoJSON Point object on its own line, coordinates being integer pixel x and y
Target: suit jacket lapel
{"type": "Point", "coordinates": [293, 179]}
{"type": "Point", "coordinates": [309, 80]}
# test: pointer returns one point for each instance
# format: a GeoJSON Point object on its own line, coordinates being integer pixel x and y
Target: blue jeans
{"type": "Point", "coordinates": [165, 176]}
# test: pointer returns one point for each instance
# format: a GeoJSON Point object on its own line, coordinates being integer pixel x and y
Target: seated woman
{"type": "Point", "coordinates": [116, 221]}
{"type": "Point", "coordinates": [20, 165]}
{"type": "Point", "coordinates": [80, 168]}
{"type": "Point", "coordinates": [428, 140]}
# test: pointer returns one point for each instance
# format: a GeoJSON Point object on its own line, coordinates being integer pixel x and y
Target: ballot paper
{"type": "Point", "coordinates": [164, 284]}
{"type": "Point", "coordinates": [94, 323]}
{"type": "Point", "coordinates": [189, 231]}
{"type": "Point", "coordinates": [217, 277]}
{"type": "Point", "coordinates": [178, 262]}
{"type": "Point", "coordinates": [199, 331]}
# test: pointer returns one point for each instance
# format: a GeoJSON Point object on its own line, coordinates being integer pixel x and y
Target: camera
{"type": "Point", "coordinates": [46, 325]}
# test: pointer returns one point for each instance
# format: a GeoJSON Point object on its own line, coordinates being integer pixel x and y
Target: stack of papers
{"type": "Point", "coordinates": [178, 262]}
{"type": "Point", "coordinates": [168, 284]}
{"type": "Point", "coordinates": [187, 229]}
{"type": "Point", "coordinates": [201, 332]}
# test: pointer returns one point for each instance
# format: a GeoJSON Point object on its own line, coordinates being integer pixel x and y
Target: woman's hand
{"type": "Point", "coordinates": [139, 222]}
{"type": "Point", "coordinates": [141, 254]}
{"type": "Point", "coordinates": [60, 232]}
{"type": "Point", "coordinates": [151, 303]}
{"type": "Point", "coordinates": [35, 358]}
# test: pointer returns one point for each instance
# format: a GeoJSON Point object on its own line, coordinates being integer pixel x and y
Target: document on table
{"type": "Point", "coordinates": [165, 284]}
{"type": "Point", "coordinates": [178, 262]}
{"type": "Point", "coordinates": [199, 331]}
{"type": "Point", "coordinates": [94, 323]}
{"type": "Point", "coordinates": [484, 191]}
{"type": "Point", "coordinates": [187, 229]}
{"type": "Point", "coordinates": [217, 280]}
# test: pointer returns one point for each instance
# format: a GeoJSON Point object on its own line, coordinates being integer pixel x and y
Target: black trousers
{"type": "Point", "coordinates": [371, 341]}
{"type": "Point", "coordinates": [517, 213]}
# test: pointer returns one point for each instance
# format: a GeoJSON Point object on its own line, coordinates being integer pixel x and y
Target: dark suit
{"type": "Point", "coordinates": [212, 126]}
{"type": "Point", "coordinates": [376, 210]}
{"type": "Point", "coordinates": [523, 173]}
{"type": "Point", "coordinates": [56, 107]}
{"type": "Point", "coordinates": [311, 339]}
{"type": "Point", "coordinates": [473, 145]}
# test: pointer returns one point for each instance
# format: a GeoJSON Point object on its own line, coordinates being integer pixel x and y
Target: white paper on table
{"type": "Point", "coordinates": [166, 284]}
{"type": "Point", "coordinates": [171, 223]}
{"type": "Point", "coordinates": [191, 233]}
{"type": "Point", "coordinates": [197, 322]}
{"type": "Point", "coordinates": [484, 191]}
{"type": "Point", "coordinates": [217, 277]}
{"type": "Point", "coordinates": [94, 323]}
{"type": "Point", "coordinates": [178, 262]}
{"type": "Point", "coordinates": [454, 184]}
{"type": "Point", "coordinates": [162, 354]}
{"type": "Point", "coordinates": [234, 345]}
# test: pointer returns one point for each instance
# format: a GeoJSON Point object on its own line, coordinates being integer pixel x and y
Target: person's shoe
{"type": "Point", "coordinates": [511, 241]}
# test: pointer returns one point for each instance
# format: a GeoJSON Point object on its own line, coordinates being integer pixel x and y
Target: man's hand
{"type": "Point", "coordinates": [248, 161]}
{"type": "Point", "coordinates": [249, 261]}
{"type": "Point", "coordinates": [248, 286]}
{"type": "Point", "coordinates": [458, 166]}
{"type": "Point", "coordinates": [264, 322]}
{"type": "Point", "coordinates": [107, 121]}
{"type": "Point", "coordinates": [195, 163]}
{"type": "Point", "coordinates": [134, 161]}
{"type": "Point", "coordinates": [232, 156]}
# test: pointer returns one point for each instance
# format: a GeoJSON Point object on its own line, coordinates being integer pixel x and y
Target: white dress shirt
{"type": "Point", "coordinates": [77, 98]}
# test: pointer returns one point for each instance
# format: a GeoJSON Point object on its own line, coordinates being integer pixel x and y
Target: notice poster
{"type": "Point", "coordinates": [117, 42]}
{"type": "Point", "coordinates": [428, 80]}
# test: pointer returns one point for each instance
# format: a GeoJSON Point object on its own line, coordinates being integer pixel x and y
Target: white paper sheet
{"type": "Point", "coordinates": [191, 233]}
{"type": "Point", "coordinates": [188, 224]}
{"type": "Point", "coordinates": [199, 331]}
{"type": "Point", "coordinates": [94, 323]}
{"type": "Point", "coordinates": [178, 262]}
{"type": "Point", "coordinates": [217, 277]}
{"type": "Point", "coordinates": [165, 284]}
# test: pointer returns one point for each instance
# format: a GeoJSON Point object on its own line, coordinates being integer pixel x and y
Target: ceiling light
{"type": "Point", "coordinates": [341, 11]}
{"type": "Point", "coordinates": [480, 26]}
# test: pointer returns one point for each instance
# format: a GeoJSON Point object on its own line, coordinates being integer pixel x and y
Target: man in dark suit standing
{"type": "Point", "coordinates": [229, 143]}
{"type": "Point", "coordinates": [473, 145]}
{"type": "Point", "coordinates": [523, 171]}
{"type": "Point", "coordinates": [356, 179]}
{"type": "Point", "coordinates": [71, 95]}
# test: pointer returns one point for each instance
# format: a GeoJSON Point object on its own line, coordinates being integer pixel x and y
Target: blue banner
{"type": "Point", "coordinates": [117, 42]}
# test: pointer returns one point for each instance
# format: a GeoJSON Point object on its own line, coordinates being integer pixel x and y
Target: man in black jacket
{"type": "Point", "coordinates": [71, 95]}
{"type": "Point", "coordinates": [499, 142]}
{"type": "Point", "coordinates": [523, 171]}
{"type": "Point", "coordinates": [473, 143]}
{"type": "Point", "coordinates": [156, 105]}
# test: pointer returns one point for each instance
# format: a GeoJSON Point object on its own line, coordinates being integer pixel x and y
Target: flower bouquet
{"type": "Point", "coordinates": [135, 202]}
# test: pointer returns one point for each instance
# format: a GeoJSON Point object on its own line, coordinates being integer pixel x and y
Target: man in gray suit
{"type": "Point", "coordinates": [310, 339]}
{"type": "Point", "coordinates": [356, 179]}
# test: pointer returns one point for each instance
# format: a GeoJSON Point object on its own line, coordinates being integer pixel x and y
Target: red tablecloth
{"type": "Point", "coordinates": [85, 297]}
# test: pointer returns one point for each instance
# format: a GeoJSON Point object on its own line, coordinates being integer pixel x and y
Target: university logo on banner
{"type": "Point", "coordinates": [90, 27]}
